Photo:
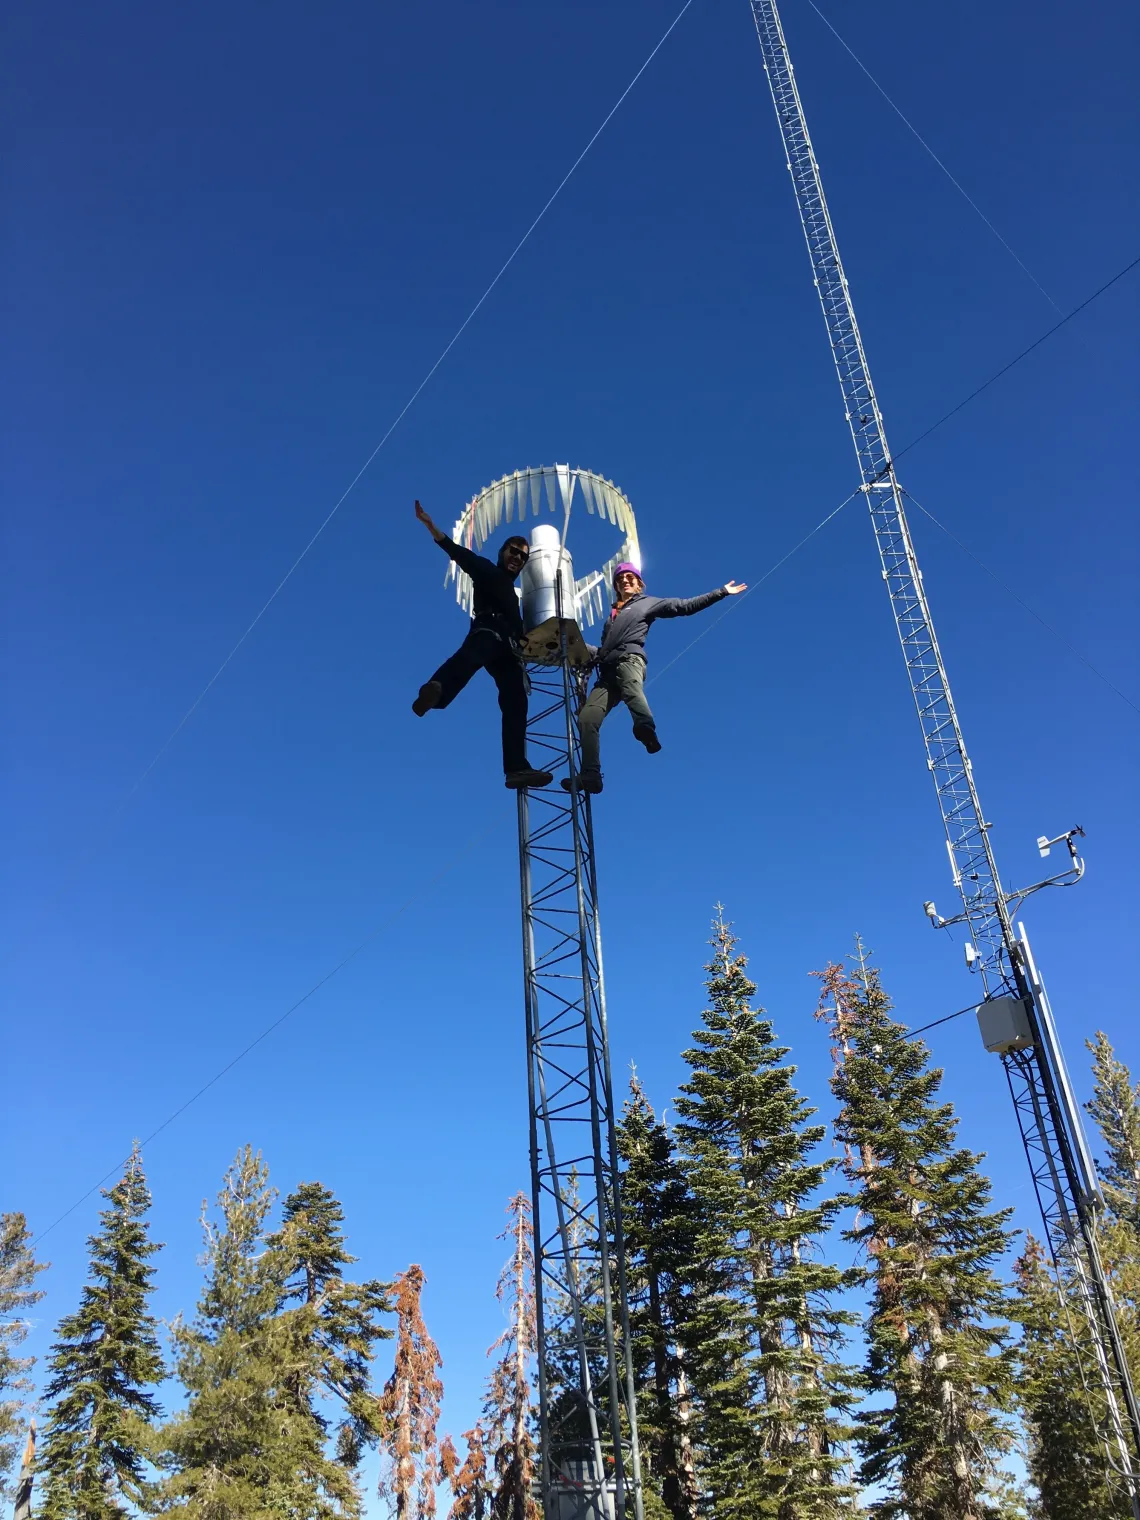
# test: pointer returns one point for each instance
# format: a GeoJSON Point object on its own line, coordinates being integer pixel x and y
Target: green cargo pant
{"type": "Point", "coordinates": [621, 682]}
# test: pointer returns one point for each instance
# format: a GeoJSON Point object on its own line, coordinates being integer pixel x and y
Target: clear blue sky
{"type": "Point", "coordinates": [237, 238]}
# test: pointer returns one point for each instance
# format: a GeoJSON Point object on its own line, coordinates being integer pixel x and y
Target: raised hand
{"type": "Point", "coordinates": [732, 588]}
{"type": "Point", "coordinates": [427, 522]}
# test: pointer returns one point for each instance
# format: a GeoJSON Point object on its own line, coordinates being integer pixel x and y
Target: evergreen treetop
{"type": "Point", "coordinates": [343, 1317]}
{"type": "Point", "coordinates": [939, 1362]}
{"type": "Point", "coordinates": [1065, 1459]}
{"type": "Point", "coordinates": [249, 1443]}
{"type": "Point", "coordinates": [18, 1292]}
{"type": "Point", "coordinates": [1115, 1105]}
{"type": "Point", "coordinates": [762, 1327]}
{"type": "Point", "coordinates": [106, 1359]}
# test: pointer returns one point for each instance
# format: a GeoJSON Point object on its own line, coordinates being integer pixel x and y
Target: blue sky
{"type": "Point", "coordinates": [237, 240]}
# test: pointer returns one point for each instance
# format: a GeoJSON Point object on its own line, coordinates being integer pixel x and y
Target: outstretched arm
{"type": "Point", "coordinates": [682, 606]}
{"type": "Point", "coordinates": [466, 559]}
{"type": "Point", "coordinates": [435, 532]}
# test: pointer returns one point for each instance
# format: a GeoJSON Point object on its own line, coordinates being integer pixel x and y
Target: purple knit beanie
{"type": "Point", "coordinates": [626, 567]}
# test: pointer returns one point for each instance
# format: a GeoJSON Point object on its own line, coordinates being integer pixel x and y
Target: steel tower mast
{"type": "Point", "coordinates": [590, 1461]}
{"type": "Point", "coordinates": [1014, 1016]}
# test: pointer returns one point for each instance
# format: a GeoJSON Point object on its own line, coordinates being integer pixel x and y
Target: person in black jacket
{"type": "Point", "coordinates": [621, 665]}
{"type": "Point", "coordinates": [492, 645]}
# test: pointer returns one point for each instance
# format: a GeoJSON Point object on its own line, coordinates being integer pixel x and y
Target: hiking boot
{"type": "Point", "coordinates": [518, 781]}
{"type": "Point", "coordinates": [430, 693]}
{"type": "Point", "coordinates": [647, 734]}
{"type": "Point", "coordinates": [584, 781]}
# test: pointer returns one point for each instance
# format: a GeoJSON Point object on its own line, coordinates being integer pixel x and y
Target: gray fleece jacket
{"type": "Point", "coordinates": [626, 630]}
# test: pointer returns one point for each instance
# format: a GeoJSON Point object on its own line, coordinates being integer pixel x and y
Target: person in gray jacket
{"type": "Point", "coordinates": [621, 665]}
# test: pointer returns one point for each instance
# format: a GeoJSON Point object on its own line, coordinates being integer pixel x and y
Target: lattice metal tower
{"type": "Point", "coordinates": [590, 1463]}
{"type": "Point", "coordinates": [1014, 1016]}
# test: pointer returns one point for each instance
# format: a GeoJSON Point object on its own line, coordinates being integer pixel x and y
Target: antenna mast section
{"type": "Point", "coordinates": [1015, 1016]}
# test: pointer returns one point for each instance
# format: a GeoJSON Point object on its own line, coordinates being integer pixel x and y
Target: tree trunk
{"type": "Point", "coordinates": [686, 1461]}
{"type": "Point", "coordinates": [664, 1446]}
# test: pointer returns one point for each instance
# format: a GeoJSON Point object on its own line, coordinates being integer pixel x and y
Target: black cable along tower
{"type": "Point", "coordinates": [1014, 1016]}
{"type": "Point", "coordinates": [590, 1460]}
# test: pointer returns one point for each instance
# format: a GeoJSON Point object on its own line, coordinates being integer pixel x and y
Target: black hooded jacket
{"type": "Point", "coordinates": [496, 603]}
{"type": "Point", "coordinates": [624, 634]}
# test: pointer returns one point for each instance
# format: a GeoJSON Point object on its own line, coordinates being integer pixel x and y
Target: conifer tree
{"type": "Point", "coordinates": [660, 1238]}
{"type": "Point", "coordinates": [763, 1333]}
{"type": "Point", "coordinates": [246, 1444]}
{"type": "Point", "coordinates": [938, 1363]}
{"type": "Point", "coordinates": [1065, 1459]}
{"type": "Point", "coordinates": [1115, 1105]}
{"type": "Point", "coordinates": [341, 1317]}
{"type": "Point", "coordinates": [471, 1486]}
{"type": "Point", "coordinates": [409, 1407]}
{"type": "Point", "coordinates": [18, 1292]}
{"type": "Point", "coordinates": [105, 1362]}
{"type": "Point", "coordinates": [1058, 1386]}
{"type": "Point", "coordinates": [508, 1406]}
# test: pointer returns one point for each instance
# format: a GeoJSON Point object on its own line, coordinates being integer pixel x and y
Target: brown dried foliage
{"type": "Point", "coordinates": [469, 1483]}
{"type": "Point", "coordinates": [409, 1408]}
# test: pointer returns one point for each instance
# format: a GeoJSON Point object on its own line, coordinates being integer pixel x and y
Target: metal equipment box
{"type": "Point", "coordinates": [1004, 1025]}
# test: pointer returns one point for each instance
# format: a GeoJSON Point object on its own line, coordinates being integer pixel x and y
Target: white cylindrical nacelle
{"type": "Point", "coordinates": [548, 568]}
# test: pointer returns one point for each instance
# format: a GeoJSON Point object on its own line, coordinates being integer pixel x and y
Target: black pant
{"type": "Point", "coordinates": [621, 681]}
{"type": "Point", "coordinates": [483, 649]}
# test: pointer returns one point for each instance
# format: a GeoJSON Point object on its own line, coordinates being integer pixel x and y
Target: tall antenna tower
{"type": "Point", "coordinates": [590, 1462]}
{"type": "Point", "coordinates": [1014, 1015]}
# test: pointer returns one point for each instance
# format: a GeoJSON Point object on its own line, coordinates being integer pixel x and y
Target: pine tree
{"type": "Point", "coordinates": [1065, 1459]}
{"type": "Point", "coordinates": [342, 1318]}
{"type": "Point", "coordinates": [763, 1334]}
{"type": "Point", "coordinates": [938, 1353]}
{"type": "Point", "coordinates": [1059, 1388]}
{"type": "Point", "coordinates": [508, 1407]}
{"type": "Point", "coordinates": [660, 1237]}
{"type": "Point", "coordinates": [1115, 1105]}
{"type": "Point", "coordinates": [409, 1407]}
{"type": "Point", "coordinates": [18, 1292]}
{"type": "Point", "coordinates": [248, 1443]}
{"type": "Point", "coordinates": [99, 1434]}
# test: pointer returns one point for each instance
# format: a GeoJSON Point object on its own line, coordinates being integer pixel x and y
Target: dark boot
{"type": "Point", "coordinates": [584, 781]}
{"type": "Point", "coordinates": [519, 781]}
{"type": "Point", "coordinates": [430, 693]}
{"type": "Point", "coordinates": [647, 734]}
